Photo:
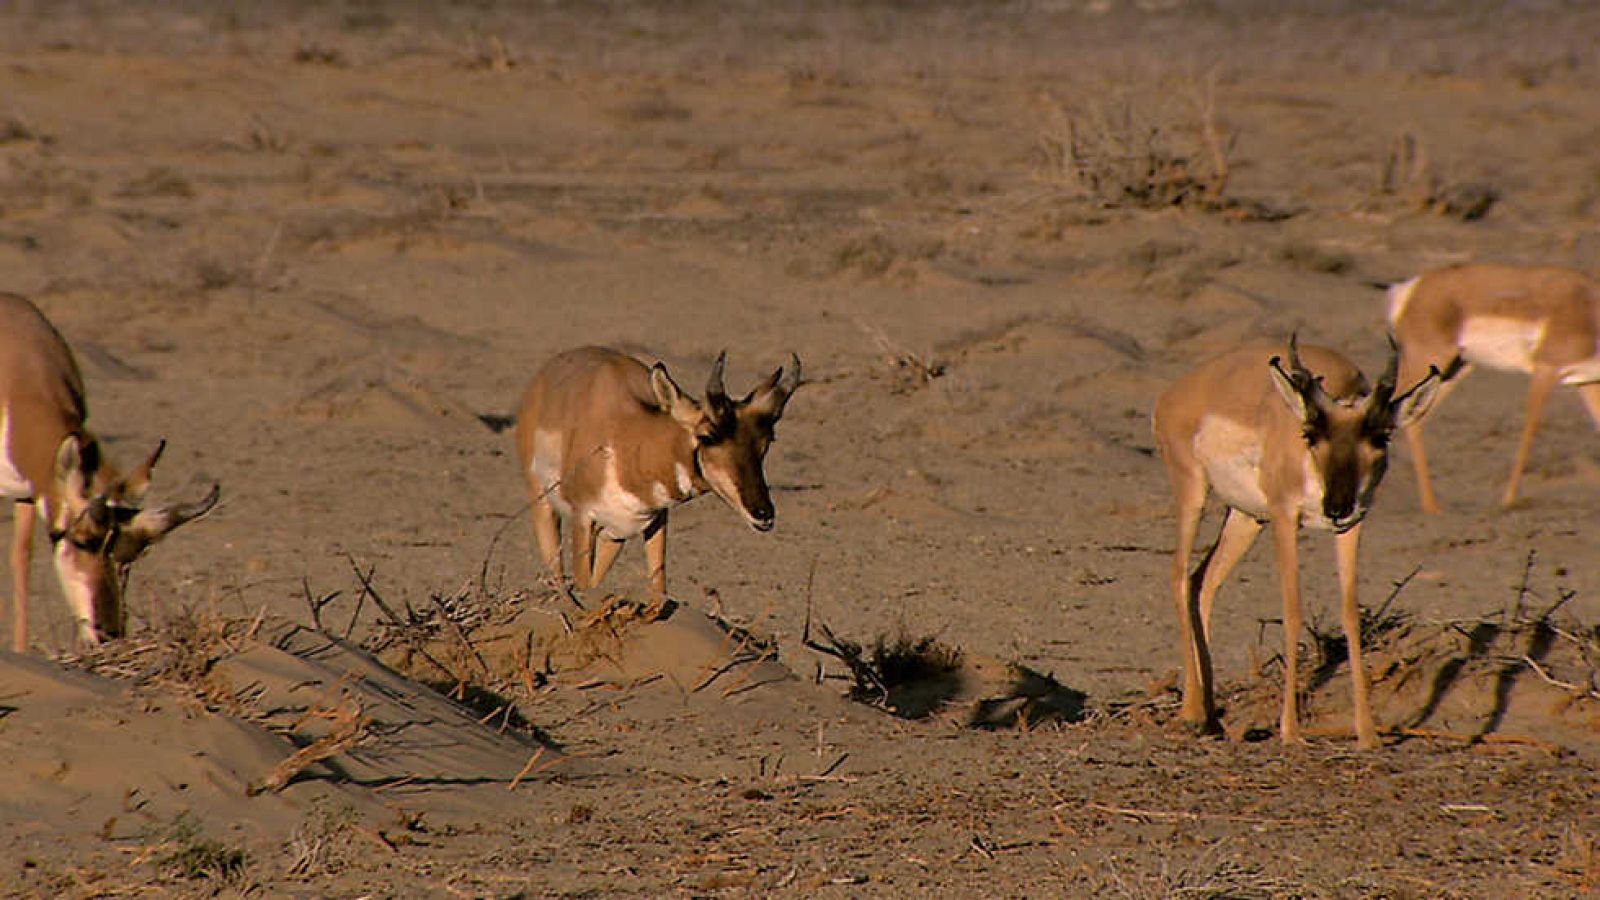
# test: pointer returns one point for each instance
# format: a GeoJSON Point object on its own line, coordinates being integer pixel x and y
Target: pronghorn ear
{"type": "Point", "coordinates": [73, 459]}
{"type": "Point", "coordinates": [770, 397]}
{"type": "Point", "coordinates": [671, 398]}
{"type": "Point", "coordinates": [1289, 391]}
{"type": "Point", "coordinates": [137, 483]}
{"type": "Point", "coordinates": [1410, 407]}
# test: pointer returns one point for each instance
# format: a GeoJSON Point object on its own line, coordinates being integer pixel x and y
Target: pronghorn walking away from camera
{"type": "Point", "coordinates": [610, 446]}
{"type": "Point", "coordinates": [55, 470]}
{"type": "Point", "coordinates": [1303, 444]}
{"type": "Point", "coordinates": [1541, 320]}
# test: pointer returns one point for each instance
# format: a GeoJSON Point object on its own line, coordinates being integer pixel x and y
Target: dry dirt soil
{"type": "Point", "coordinates": [310, 244]}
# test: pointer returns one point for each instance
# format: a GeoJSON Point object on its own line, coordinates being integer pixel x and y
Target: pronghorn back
{"type": "Point", "coordinates": [39, 384]}
{"type": "Point", "coordinates": [1543, 321]}
{"type": "Point", "coordinates": [590, 424]}
{"type": "Point", "coordinates": [1505, 317]}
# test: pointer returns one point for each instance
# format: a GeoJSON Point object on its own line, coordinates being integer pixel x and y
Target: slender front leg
{"type": "Point", "coordinates": [655, 555]}
{"type": "Point", "coordinates": [24, 514]}
{"type": "Point", "coordinates": [605, 553]}
{"type": "Point", "coordinates": [582, 551]}
{"type": "Point", "coordinates": [1346, 546]}
{"type": "Point", "coordinates": [1199, 708]}
{"type": "Point", "coordinates": [1238, 533]}
{"type": "Point", "coordinates": [1419, 462]}
{"type": "Point", "coordinates": [1285, 531]}
{"type": "Point", "coordinates": [547, 530]}
{"type": "Point", "coordinates": [1591, 401]}
{"type": "Point", "coordinates": [1539, 388]}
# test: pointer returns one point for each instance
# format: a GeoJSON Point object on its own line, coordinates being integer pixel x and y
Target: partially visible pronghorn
{"type": "Point", "coordinates": [54, 469]}
{"type": "Point", "coordinates": [1542, 320]}
{"type": "Point", "coordinates": [1303, 445]}
{"type": "Point", "coordinates": [611, 446]}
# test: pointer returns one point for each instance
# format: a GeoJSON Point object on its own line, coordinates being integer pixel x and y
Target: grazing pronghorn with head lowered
{"type": "Point", "coordinates": [1543, 320]}
{"type": "Point", "coordinates": [1303, 444]}
{"type": "Point", "coordinates": [54, 469]}
{"type": "Point", "coordinates": [611, 445]}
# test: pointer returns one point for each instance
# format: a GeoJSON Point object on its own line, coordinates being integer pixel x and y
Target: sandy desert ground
{"type": "Point", "coordinates": [310, 244]}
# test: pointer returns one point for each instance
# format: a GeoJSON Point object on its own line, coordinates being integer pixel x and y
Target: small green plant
{"type": "Point", "coordinates": [186, 852]}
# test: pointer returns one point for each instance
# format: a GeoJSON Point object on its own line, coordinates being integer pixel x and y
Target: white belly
{"type": "Point", "coordinates": [1499, 343]}
{"type": "Point", "coordinates": [12, 485]}
{"type": "Point", "coordinates": [1583, 373]}
{"type": "Point", "coordinates": [1232, 455]}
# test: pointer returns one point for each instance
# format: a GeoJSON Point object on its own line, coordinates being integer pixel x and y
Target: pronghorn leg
{"type": "Point", "coordinates": [1419, 461]}
{"type": "Point", "coordinates": [605, 553]}
{"type": "Point", "coordinates": [1413, 368]}
{"type": "Point", "coordinates": [1346, 546]}
{"type": "Point", "coordinates": [1544, 381]}
{"type": "Point", "coordinates": [1285, 532]}
{"type": "Point", "coordinates": [1198, 706]}
{"type": "Point", "coordinates": [583, 529]}
{"type": "Point", "coordinates": [1591, 400]}
{"type": "Point", "coordinates": [655, 555]}
{"type": "Point", "coordinates": [1238, 533]}
{"type": "Point", "coordinates": [23, 515]}
{"type": "Point", "coordinates": [547, 530]}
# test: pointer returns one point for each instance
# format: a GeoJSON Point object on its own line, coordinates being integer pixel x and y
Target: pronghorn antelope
{"type": "Point", "coordinates": [55, 469]}
{"type": "Point", "coordinates": [1542, 320]}
{"type": "Point", "coordinates": [1306, 444]}
{"type": "Point", "coordinates": [611, 446]}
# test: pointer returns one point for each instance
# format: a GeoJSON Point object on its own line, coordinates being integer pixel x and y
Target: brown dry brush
{"type": "Point", "coordinates": [1142, 154]}
{"type": "Point", "coordinates": [349, 727]}
{"type": "Point", "coordinates": [1533, 637]}
{"type": "Point", "coordinates": [180, 656]}
{"type": "Point", "coordinates": [1407, 174]}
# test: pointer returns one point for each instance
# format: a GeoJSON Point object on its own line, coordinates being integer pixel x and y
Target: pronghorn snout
{"type": "Point", "coordinates": [761, 517]}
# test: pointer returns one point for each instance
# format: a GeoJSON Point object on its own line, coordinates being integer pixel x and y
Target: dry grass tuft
{"type": "Point", "coordinates": [1408, 174]}
{"type": "Point", "coordinates": [1149, 154]}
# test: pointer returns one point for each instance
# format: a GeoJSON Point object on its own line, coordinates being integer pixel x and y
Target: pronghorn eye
{"type": "Point", "coordinates": [1313, 436]}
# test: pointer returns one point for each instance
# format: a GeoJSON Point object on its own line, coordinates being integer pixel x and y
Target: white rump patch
{"type": "Point", "coordinates": [1399, 296]}
{"type": "Point", "coordinates": [1500, 343]}
{"type": "Point", "coordinates": [1232, 456]}
{"type": "Point", "coordinates": [12, 485]}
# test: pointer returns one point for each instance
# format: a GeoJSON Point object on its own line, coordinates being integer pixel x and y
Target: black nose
{"type": "Point", "coordinates": [761, 518]}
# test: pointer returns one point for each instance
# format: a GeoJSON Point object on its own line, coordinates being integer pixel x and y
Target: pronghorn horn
{"type": "Point", "coordinates": [716, 393]}
{"type": "Point", "coordinates": [1383, 391]}
{"type": "Point", "coordinates": [791, 375]}
{"type": "Point", "coordinates": [139, 481]}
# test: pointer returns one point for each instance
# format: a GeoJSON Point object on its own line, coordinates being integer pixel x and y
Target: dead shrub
{"type": "Point", "coordinates": [1312, 258]}
{"type": "Point", "coordinates": [651, 107]}
{"type": "Point", "coordinates": [159, 181]}
{"type": "Point", "coordinates": [1128, 152]}
{"type": "Point", "coordinates": [1407, 174]}
{"type": "Point", "coordinates": [181, 849]}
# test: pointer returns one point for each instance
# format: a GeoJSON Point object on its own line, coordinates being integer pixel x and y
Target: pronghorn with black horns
{"type": "Point", "coordinates": [1304, 445]}
{"type": "Point", "coordinates": [610, 446]}
{"type": "Point", "coordinates": [55, 470]}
